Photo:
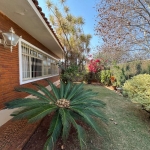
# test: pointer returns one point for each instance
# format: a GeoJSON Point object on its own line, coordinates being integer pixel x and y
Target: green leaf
{"type": "Point", "coordinates": [83, 92]}
{"type": "Point", "coordinates": [55, 119]}
{"type": "Point", "coordinates": [54, 132]}
{"type": "Point", "coordinates": [96, 113]}
{"type": "Point", "coordinates": [54, 89]}
{"type": "Point", "coordinates": [65, 122]}
{"type": "Point", "coordinates": [75, 90]}
{"type": "Point", "coordinates": [62, 89]}
{"type": "Point", "coordinates": [41, 114]}
{"type": "Point", "coordinates": [89, 102]}
{"type": "Point", "coordinates": [28, 113]}
{"type": "Point", "coordinates": [67, 89]}
{"type": "Point", "coordinates": [80, 132]}
{"type": "Point", "coordinates": [90, 121]}
{"type": "Point", "coordinates": [83, 96]}
{"type": "Point", "coordinates": [80, 93]}
{"type": "Point", "coordinates": [32, 92]}
{"type": "Point", "coordinates": [45, 91]}
{"type": "Point", "coordinates": [24, 102]}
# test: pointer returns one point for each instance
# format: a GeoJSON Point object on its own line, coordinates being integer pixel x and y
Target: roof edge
{"type": "Point", "coordinates": [47, 22]}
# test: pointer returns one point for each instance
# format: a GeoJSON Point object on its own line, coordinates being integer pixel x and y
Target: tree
{"type": "Point", "coordinates": [125, 23]}
{"type": "Point", "coordinates": [69, 30]}
{"type": "Point", "coordinates": [110, 54]}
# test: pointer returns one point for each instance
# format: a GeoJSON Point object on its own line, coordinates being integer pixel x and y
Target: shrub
{"type": "Point", "coordinates": [119, 75]}
{"type": "Point", "coordinates": [72, 73]}
{"type": "Point", "coordinates": [138, 89]}
{"type": "Point", "coordinates": [91, 77]}
{"type": "Point", "coordinates": [69, 104]}
{"type": "Point", "coordinates": [88, 77]}
{"type": "Point", "coordinates": [148, 69]}
{"type": "Point", "coordinates": [138, 68]}
{"type": "Point", "coordinates": [105, 76]}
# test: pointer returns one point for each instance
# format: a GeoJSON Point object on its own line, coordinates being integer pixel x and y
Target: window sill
{"type": "Point", "coordinates": [36, 79]}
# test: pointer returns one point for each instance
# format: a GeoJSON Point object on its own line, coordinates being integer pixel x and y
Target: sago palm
{"type": "Point", "coordinates": [69, 105]}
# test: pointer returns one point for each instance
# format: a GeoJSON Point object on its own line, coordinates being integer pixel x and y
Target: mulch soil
{"type": "Point", "coordinates": [39, 137]}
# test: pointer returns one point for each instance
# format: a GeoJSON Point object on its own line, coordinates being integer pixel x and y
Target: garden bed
{"type": "Point", "coordinates": [128, 127]}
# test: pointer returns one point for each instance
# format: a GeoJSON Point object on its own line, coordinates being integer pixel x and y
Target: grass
{"type": "Point", "coordinates": [128, 125]}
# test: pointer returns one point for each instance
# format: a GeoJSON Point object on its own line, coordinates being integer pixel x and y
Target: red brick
{"type": "Point", "coordinates": [9, 64]}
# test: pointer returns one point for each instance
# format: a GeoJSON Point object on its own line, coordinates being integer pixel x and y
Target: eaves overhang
{"type": "Point", "coordinates": [29, 16]}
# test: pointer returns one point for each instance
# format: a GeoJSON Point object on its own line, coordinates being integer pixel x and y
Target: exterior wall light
{"type": "Point", "coordinates": [10, 39]}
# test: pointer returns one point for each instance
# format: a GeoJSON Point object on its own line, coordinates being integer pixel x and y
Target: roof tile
{"type": "Point", "coordinates": [46, 20]}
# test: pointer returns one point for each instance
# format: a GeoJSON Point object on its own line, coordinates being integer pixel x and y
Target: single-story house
{"type": "Point", "coordinates": [34, 58]}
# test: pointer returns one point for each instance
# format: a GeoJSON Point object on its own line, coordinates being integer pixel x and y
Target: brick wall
{"type": "Point", "coordinates": [9, 63]}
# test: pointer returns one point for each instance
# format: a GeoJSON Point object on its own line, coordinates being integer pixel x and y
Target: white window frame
{"type": "Point", "coordinates": [20, 63]}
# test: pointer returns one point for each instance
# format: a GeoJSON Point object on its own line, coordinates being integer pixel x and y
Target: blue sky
{"type": "Point", "coordinates": [82, 8]}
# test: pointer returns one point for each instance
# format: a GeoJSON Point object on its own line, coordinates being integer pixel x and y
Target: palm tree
{"type": "Point", "coordinates": [69, 104]}
{"type": "Point", "coordinates": [69, 30]}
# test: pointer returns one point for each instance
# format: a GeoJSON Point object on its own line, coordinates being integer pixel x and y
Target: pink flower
{"type": "Point", "coordinates": [94, 65]}
{"type": "Point", "coordinates": [97, 60]}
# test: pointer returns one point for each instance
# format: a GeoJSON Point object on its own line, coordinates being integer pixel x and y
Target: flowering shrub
{"type": "Point", "coordinates": [112, 78]}
{"type": "Point", "coordinates": [95, 66]}
{"type": "Point", "coordinates": [113, 81]}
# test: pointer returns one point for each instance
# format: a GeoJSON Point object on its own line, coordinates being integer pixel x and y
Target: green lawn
{"type": "Point", "coordinates": [128, 125]}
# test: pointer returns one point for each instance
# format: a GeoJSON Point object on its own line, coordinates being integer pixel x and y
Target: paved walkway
{"type": "Point", "coordinates": [15, 134]}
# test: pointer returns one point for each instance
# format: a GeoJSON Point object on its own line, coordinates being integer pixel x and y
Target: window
{"type": "Point", "coordinates": [35, 64]}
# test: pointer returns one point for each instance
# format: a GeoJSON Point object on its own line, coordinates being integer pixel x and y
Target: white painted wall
{"type": "Point", "coordinates": [5, 113]}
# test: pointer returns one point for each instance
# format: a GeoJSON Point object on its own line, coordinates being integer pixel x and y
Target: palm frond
{"type": "Point", "coordinates": [94, 112]}
{"type": "Point", "coordinates": [32, 92]}
{"type": "Point", "coordinates": [54, 132]}
{"type": "Point", "coordinates": [80, 132]}
{"type": "Point", "coordinates": [97, 113]}
{"type": "Point", "coordinates": [65, 123]}
{"type": "Point", "coordinates": [24, 113]}
{"type": "Point", "coordinates": [69, 17]}
{"type": "Point", "coordinates": [55, 119]}
{"type": "Point", "coordinates": [76, 88]}
{"type": "Point", "coordinates": [52, 20]}
{"type": "Point", "coordinates": [83, 96]}
{"type": "Point", "coordinates": [62, 1]}
{"type": "Point", "coordinates": [80, 93]}
{"type": "Point", "coordinates": [24, 102]}
{"type": "Point", "coordinates": [94, 103]}
{"type": "Point", "coordinates": [28, 113]}
{"type": "Point", "coordinates": [66, 9]}
{"type": "Point", "coordinates": [19, 111]}
{"type": "Point", "coordinates": [67, 89]}
{"type": "Point", "coordinates": [49, 4]}
{"type": "Point", "coordinates": [54, 89]}
{"type": "Point", "coordinates": [62, 89]}
{"type": "Point", "coordinates": [90, 121]}
{"type": "Point", "coordinates": [42, 113]}
{"type": "Point", "coordinates": [45, 91]}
